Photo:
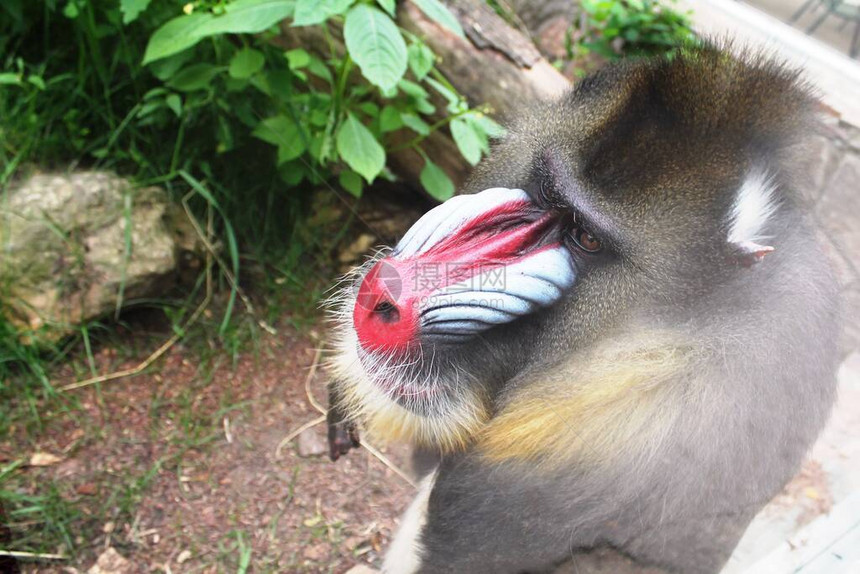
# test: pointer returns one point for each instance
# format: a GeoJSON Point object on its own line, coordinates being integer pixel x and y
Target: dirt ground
{"type": "Point", "coordinates": [221, 501]}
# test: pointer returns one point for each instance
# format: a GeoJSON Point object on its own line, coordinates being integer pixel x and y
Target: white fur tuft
{"type": "Point", "coordinates": [404, 554]}
{"type": "Point", "coordinates": [754, 204]}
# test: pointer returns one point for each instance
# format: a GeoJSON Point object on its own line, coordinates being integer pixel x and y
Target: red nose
{"type": "Point", "coordinates": [497, 230]}
{"type": "Point", "coordinates": [385, 316]}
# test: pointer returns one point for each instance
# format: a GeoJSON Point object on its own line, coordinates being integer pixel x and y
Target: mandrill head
{"type": "Point", "coordinates": [407, 323]}
{"type": "Point", "coordinates": [629, 206]}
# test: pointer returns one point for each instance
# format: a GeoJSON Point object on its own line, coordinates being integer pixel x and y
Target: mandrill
{"type": "Point", "coordinates": [622, 336]}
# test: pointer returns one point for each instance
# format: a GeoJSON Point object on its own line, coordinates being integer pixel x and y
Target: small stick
{"type": "Point", "coordinates": [32, 555]}
{"type": "Point", "coordinates": [224, 268]}
{"type": "Point", "coordinates": [384, 460]}
{"type": "Point", "coordinates": [146, 363]}
{"type": "Point", "coordinates": [311, 399]}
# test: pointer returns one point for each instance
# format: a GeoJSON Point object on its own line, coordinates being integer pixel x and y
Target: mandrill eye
{"type": "Point", "coordinates": [585, 241]}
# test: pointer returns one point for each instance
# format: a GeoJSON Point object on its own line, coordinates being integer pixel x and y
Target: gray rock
{"type": "Point", "coordinates": [310, 443]}
{"type": "Point", "coordinates": [111, 562]}
{"type": "Point", "coordinates": [62, 248]}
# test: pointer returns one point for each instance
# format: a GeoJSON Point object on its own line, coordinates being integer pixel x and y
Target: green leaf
{"type": "Point", "coordinates": [416, 124]}
{"type": "Point", "coordinates": [174, 36]}
{"type": "Point", "coordinates": [350, 181]}
{"type": "Point", "coordinates": [490, 126]}
{"type": "Point", "coordinates": [248, 17]}
{"type": "Point", "coordinates": [239, 17]}
{"type": "Point", "coordinates": [291, 151]}
{"type": "Point", "coordinates": [312, 12]}
{"type": "Point", "coordinates": [297, 58]}
{"type": "Point", "coordinates": [174, 102]}
{"type": "Point", "coordinates": [387, 5]}
{"type": "Point", "coordinates": [467, 140]}
{"type": "Point", "coordinates": [71, 11]}
{"type": "Point", "coordinates": [246, 62]}
{"type": "Point", "coordinates": [483, 138]}
{"type": "Point", "coordinates": [165, 68]}
{"type": "Point", "coordinates": [421, 60]}
{"type": "Point", "coordinates": [440, 14]}
{"type": "Point", "coordinates": [10, 79]}
{"type": "Point", "coordinates": [375, 43]}
{"type": "Point", "coordinates": [280, 83]}
{"type": "Point", "coordinates": [412, 89]}
{"type": "Point", "coordinates": [37, 81]}
{"type": "Point", "coordinates": [436, 182]}
{"type": "Point", "coordinates": [292, 173]}
{"type": "Point", "coordinates": [359, 148]}
{"type": "Point", "coordinates": [283, 132]}
{"type": "Point", "coordinates": [389, 119]}
{"type": "Point", "coordinates": [319, 69]}
{"type": "Point", "coordinates": [131, 9]}
{"type": "Point", "coordinates": [370, 109]}
{"type": "Point", "coordinates": [194, 77]}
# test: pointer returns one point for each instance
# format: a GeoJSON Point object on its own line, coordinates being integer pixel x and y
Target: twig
{"type": "Point", "coordinates": [311, 399]}
{"type": "Point", "coordinates": [149, 360]}
{"type": "Point", "coordinates": [224, 269]}
{"type": "Point", "coordinates": [32, 555]}
{"type": "Point", "coordinates": [384, 460]}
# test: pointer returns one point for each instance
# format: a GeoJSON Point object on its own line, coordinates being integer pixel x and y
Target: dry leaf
{"type": "Point", "coordinates": [87, 489]}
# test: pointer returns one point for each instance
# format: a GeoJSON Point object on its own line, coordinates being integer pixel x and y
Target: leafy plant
{"type": "Point", "coordinates": [322, 117]}
{"type": "Point", "coordinates": [624, 28]}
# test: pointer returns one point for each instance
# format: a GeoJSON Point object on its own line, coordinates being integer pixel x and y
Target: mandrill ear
{"type": "Point", "coordinates": [754, 204]}
{"type": "Point", "coordinates": [748, 253]}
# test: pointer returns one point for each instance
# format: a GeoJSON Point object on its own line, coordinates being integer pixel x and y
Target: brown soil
{"type": "Point", "coordinates": [215, 497]}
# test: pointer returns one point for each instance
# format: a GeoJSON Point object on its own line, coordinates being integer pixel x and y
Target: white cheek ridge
{"type": "Point", "coordinates": [404, 554]}
{"type": "Point", "coordinates": [754, 204]}
{"type": "Point", "coordinates": [469, 311]}
{"type": "Point", "coordinates": [537, 281]}
{"type": "Point", "coordinates": [443, 219]}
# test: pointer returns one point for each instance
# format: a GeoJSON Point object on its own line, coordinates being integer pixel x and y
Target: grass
{"type": "Point", "coordinates": [40, 522]}
{"type": "Point", "coordinates": [46, 514]}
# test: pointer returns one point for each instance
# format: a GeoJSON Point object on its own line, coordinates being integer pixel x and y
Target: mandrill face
{"type": "Point", "coordinates": [407, 320]}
